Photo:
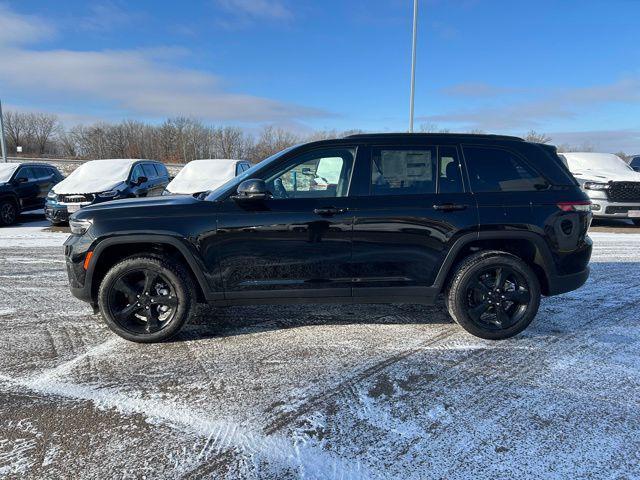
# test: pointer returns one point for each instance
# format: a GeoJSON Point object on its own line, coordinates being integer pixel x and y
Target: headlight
{"type": "Point", "coordinates": [79, 227]}
{"type": "Point", "coordinates": [596, 186]}
{"type": "Point", "coordinates": [109, 194]}
{"type": "Point", "coordinates": [51, 195]}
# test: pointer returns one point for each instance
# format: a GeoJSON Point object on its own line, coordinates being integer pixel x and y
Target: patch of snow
{"type": "Point", "coordinates": [96, 176]}
{"type": "Point", "coordinates": [16, 237]}
{"type": "Point", "coordinates": [203, 175]}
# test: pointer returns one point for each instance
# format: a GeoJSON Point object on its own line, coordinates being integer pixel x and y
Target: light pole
{"type": "Point", "coordinates": [413, 64]}
{"type": "Point", "coordinates": [2, 141]}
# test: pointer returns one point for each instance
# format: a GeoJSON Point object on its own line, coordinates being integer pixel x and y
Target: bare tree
{"type": "Point", "coordinates": [44, 127]}
{"type": "Point", "coordinates": [535, 137]}
{"type": "Point", "coordinates": [271, 141]}
{"type": "Point", "coordinates": [18, 128]}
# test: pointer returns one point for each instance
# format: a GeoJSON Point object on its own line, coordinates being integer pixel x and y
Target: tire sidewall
{"type": "Point", "coordinates": [457, 297]}
{"type": "Point", "coordinates": [15, 212]}
{"type": "Point", "coordinates": [171, 272]}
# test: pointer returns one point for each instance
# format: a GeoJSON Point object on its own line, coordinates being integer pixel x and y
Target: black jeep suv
{"type": "Point", "coordinates": [24, 187]}
{"type": "Point", "coordinates": [493, 222]}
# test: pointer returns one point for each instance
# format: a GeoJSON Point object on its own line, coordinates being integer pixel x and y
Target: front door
{"type": "Point", "coordinates": [298, 242]}
{"type": "Point", "coordinates": [27, 188]}
{"type": "Point", "coordinates": [415, 210]}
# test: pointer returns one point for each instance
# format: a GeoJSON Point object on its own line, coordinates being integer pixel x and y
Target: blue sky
{"type": "Point", "coordinates": [567, 68]}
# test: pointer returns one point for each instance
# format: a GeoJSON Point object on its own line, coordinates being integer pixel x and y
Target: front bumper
{"type": "Point", "coordinates": [56, 213]}
{"type": "Point", "coordinates": [75, 251]}
{"type": "Point", "coordinates": [602, 207]}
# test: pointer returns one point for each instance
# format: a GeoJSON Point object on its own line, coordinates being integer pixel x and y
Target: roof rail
{"type": "Point", "coordinates": [454, 135]}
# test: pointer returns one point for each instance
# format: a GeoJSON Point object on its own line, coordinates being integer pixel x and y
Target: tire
{"type": "Point", "coordinates": [487, 310]}
{"type": "Point", "coordinates": [8, 212]}
{"type": "Point", "coordinates": [146, 299]}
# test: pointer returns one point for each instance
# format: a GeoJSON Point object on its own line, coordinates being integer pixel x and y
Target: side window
{"type": "Point", "coordinates": [149, 170]}
{"type": "Point", "coordinates": [403, 171]}
{"type": "Point", "coordinates": [161, 169]}
{"type": "Point", "coordinates": [26, 172]}
{"type": "Point", "coordinates": [498, 170]}
{"type": "Point", "coordinates": [137, 172]}
{"type": "Point", "coordinates": [449, 176]}
{"type": "Point", "coordinates": [317, 174]}
{"type": "Point", "coordinates": [239, 168]}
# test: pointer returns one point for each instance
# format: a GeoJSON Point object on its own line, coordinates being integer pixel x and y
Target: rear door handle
{"type": "Point", "coordinates": [328, 211]}
{"type": "Point", "coordinates": [449, 207]}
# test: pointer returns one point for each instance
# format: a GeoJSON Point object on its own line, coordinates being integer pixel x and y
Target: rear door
{"type": "Point", "coordinates": [415, 208]}
{"type": "Point", "coordinates": [155, 186]}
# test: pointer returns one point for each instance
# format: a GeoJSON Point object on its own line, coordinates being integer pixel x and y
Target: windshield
{"type": "Point", "coordinates": [581, 162]}
{"type": "Point", "coordinates": [6, 170]}
{"type": "Point", "coordinates": [215, 194]}
{"type": "Point", "coordinates": [203, 175]}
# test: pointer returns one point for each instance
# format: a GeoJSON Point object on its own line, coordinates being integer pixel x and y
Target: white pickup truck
{"type": "Point", "coordinates": [611, 184]}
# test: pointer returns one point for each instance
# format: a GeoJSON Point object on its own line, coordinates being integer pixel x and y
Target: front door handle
{"type": "Point", "coordinates": [328, 211]}
{"type": "Point", "coordinates": [449, 207]}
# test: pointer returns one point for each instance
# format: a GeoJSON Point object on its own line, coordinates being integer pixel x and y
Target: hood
{"type": "Point", "coordinates": [599, 167]}
{"type": "Point", "coordinates": [604, 176]}
{"type": "Point", "coordinates": [95, 176]}
{"type": "Point", "coordinates": [7, 170]}
{"type": "Point", "coordinates": [202, 175]}
{"type": "Point", "coordinates": [135, 206]}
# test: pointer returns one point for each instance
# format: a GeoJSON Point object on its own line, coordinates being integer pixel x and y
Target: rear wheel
{"type": "Point", "coordinates": [493, 295]}
{"type": "Point", "coordinates": [8, 212]}
{"type": "Point", "coordinates": [146, 299]}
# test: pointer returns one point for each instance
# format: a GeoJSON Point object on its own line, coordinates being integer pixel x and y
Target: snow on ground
{"type": "Point", "coordinates": [358, 391]}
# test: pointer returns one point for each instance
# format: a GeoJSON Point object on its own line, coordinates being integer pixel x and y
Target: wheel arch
{"type": "Point", "coordinates": [528, 246]}
{"type": "Point", "coordinates": [110, 251]}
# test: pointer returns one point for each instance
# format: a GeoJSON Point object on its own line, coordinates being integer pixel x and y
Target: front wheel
{"type": "Point", "coordinates": [146, 299]}
{"type": "Point", "coordinates": [8, 212]}
{"type": "Point", "coordinates": [493, 295]}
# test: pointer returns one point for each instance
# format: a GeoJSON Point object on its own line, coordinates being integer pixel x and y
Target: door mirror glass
{"type": "Point", "coordinates": [252, 189]}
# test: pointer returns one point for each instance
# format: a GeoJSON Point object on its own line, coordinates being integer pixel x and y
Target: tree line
{"type": "Point", "coordinates": [176, 140]}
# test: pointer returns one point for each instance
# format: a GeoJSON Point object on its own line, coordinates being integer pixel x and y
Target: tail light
{"type": "Point", "coordinates": [581, 206]}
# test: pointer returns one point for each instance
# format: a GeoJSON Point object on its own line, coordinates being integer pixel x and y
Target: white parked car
{"type": "Point", "coordinates": [611, 184]}
{"type": "Point", "coordinates": [203, 175]}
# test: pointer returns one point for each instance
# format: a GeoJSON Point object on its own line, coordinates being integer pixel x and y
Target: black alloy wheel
{"type": "Point", "coordinates": [493, 295]}
{"type": "Point", "coordinates": [143, 301]}
{"type": "Point", "coordinates": [147, 299]}
{"type": "Point", "coordinates": [8, 213]}
{"type": "Point", "coordinates": [497, 297]}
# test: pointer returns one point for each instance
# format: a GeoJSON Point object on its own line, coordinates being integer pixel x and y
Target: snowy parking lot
{"type": "Point", "coordinates": [360, 391]}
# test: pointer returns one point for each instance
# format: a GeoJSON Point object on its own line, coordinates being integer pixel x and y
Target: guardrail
{"type": "Point", "coordinates": [69, 160]}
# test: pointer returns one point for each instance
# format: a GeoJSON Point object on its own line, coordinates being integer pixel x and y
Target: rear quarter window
{"type": "Point", "coordinates": [500, 170]}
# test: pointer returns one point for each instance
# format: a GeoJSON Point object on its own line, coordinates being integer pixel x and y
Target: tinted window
{"type": "Point", "coordinates": [403, 171]}
{"type": "Point", "coordinates": [635, 162]}
{"type": "Point", "coordinates": [498, 170]}
{"type": "Point", "coordinates": [137, 172]}
{"type": "Point", "coordinates": [245, 167]}
{"type": "Point", "coordinates": [26, 172]}
{"type": "Point", "coordinates": [449, 178]}
{"type": "Point", "coordinates": [322, 173]}
{"type": "Point", "coordinates": [161, 169]}
{"type": "Point", "coordinates": [149, 171]}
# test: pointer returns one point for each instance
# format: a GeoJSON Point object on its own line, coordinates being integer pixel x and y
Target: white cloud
{"type": "Point", "coordinates": [270, 9]}
{"type": "Point", "coordinates": [17, 29]}
{"type": "Point", "coordinates": [504, 112]}
{"type": "Point", "coordinates": [135, 82]}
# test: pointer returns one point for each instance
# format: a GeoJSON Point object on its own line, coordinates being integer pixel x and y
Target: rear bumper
{"type": "Point", "coordinates": [566, 283]}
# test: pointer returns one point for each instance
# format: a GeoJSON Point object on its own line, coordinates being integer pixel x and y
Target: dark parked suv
{"type": "Point", "coordinates": [492, 222]}
{"type": "Point", "coordinates": [24, 187]}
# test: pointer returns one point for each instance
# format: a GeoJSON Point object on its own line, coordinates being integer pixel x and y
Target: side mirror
{"type": "Point", "coordinates": [21, 180]}
{"type": "Point", "coordinates": [141, 180]}
{"type": "Point", "coordinates": [252, 189]}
